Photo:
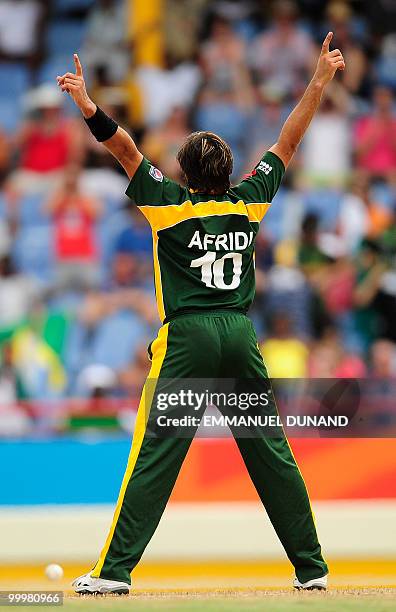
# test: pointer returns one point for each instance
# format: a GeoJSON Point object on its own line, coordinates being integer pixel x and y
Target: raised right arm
{"type": "Point", "coordinates": [299, 119]}
{"type": "Point", "coordinates": [120, 144]}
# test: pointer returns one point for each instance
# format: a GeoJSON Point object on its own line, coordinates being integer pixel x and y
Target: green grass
{"type": "Point", "coordinates": [351, 600]}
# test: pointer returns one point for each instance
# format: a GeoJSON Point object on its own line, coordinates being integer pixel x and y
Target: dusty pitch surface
{"type": "Point", "coordinates": [380, 599]}
{"type": "Point", "coordinates": [211, 587]}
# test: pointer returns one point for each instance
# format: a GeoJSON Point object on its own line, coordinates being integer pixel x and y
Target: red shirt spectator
{"type": "Point", "coordinates": [75, 215]}
{"type": "Point", "coordinates": [375, 136]}
{"type": "Point", "coordinates": [45, 151]}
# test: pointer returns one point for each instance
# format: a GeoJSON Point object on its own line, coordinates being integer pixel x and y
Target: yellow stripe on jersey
{"type": "Point", "coordinates": [157, 279]}
{"type": "Point", "coordinates": [256, 212]}
{"type": "Point", "coordinates": [161, 217]}
{"type": "Point", "coordinates": [159, 348]}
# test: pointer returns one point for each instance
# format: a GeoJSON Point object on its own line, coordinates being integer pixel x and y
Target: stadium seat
{"type": "Point", "coordinates": [33, 252]}
{"type": "Point", "coordinates": [15, 79]}
{"type": "Point", "coordinates": [57, 64]}
{"type": "Point", "coordinates": [31, 211]}
{"type": "Point", "coordinates": [10, 114]}
{"type": "Point", "coordinates": [109, 228]}
{"type": "Point", "coordinates": [65, 36]}
{"type": "Point", "coordinates": [130, 331]}
{"type": "Point", "coordinates": [84, 347]}
{"type": "Point", "coordinates": [325, 203]}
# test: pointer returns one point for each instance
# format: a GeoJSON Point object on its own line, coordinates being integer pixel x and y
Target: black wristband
{"type": "Point", "coordinates": [101, 125]}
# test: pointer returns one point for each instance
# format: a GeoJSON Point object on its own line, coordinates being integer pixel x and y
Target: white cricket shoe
{"type": "Point", "coordinates": [319, 584]}
{"type": "Point", "coordinates": [87, 585]}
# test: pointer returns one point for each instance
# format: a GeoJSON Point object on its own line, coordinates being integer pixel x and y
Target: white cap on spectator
{"type": "Point", "coordinates": [44, 96]}
{"type": "Point", "coordinates": [97, 376]}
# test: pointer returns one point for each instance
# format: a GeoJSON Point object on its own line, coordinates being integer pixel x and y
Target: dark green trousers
{"type": "Point", "coordinates": [211, 345]}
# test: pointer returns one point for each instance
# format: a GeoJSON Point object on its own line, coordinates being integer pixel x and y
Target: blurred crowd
{"type": "Point", "coordinates": [77, 308]}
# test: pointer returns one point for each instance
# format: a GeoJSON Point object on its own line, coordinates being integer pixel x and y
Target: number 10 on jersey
{"type": "Point", "coordinates": [212, 270]}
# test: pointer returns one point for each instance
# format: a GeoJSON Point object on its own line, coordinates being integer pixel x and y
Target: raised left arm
{"type": "Point", "coordinates": [299, 119]}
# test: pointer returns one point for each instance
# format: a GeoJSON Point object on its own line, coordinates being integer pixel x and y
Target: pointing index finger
{"type": "Point", "coordinates": [77, 64]}
{"type": "Point", "coordinates": [326, 42]}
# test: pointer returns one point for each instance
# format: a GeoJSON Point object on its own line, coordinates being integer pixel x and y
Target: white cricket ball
{"type": "Point", "coordinates": [53, 571]}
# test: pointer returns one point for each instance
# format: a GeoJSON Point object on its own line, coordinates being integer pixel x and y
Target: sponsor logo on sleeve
{"type": "Point", "coordinates": [156, 174]}
{"type": "Point", "coordinates": [264, 167]}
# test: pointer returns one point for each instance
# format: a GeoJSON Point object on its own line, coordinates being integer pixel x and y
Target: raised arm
{"type": "Point", "coordinates": [120, 144]}
{"type": "Point", "coordinates": [299, 119]}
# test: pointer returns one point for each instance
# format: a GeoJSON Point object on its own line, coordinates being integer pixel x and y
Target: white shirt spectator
{"type": "Point", "coordinates": [16, 296]}
{"type": "Point", "coordinates": [163, 90]}
{"type": "Point", "coordinates": [283, 58]}
{"type": "Point", "coordinates": [18, 24]}
{"type": "Point", "coordinates": [353, 221]}
{"type": "Point", "coordinates": [327, 147]}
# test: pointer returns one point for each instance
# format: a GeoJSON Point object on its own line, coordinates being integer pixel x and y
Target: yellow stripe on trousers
{"type": "Point", "coordinates": [159, 347]}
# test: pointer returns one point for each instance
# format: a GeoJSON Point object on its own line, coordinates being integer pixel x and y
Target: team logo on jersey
{"type": "Point", "coordinates": [264, 167]}
{"type": "Point", "coordinates": [156, 174]}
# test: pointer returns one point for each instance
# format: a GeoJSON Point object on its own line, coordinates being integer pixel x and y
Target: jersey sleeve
{"type": "Point", "coordinates": [150, 190]}
{"type": "Point", "coordinates": [258, 189]}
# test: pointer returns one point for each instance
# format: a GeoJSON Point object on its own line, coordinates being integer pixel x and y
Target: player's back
{"type": "Point", "coordinates": [203, 244]}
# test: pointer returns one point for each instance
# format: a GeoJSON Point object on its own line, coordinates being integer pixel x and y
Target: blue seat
{"type": "Point", "coordinates": [65, 36]}
{"type": "Point", "coordinates": [31, 211]}
{"type": "Point", "coordinates": [86, 346]}
{"type": "Point", "coordinates": [54, 66]}
{"type": "Point", "coordinates": [130, 331]}
{"type": "Point", "coordinates": [109, 228]}
{"type": "Point", "coordinates": [15, 79]}
{"type": "Point", "coordinates": [325, 203]}
{"type": "Point", "coordinates": [33, 252]}
{"type": "Point", "coordinates": [10, 114]}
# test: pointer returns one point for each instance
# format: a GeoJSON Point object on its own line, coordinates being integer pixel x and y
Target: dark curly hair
{"type": "Point", "coordinates": [206, 162]}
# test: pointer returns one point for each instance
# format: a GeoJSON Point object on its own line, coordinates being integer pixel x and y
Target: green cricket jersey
{"type": "Point", "coordinates": [203, 244]}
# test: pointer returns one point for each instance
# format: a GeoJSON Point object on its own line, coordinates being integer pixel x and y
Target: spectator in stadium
{"type": "Point", "coordinates": [265, 121]}
{"type": "Point", "coordinates": [74, 217]}
{"type": "Point", "coordinates": [350, 36]}
{"type": "Point", "coordinates": [101, 318]}
{"type": "Point", "coordinates": [284, 283]}
{"type": "Point", "coordinates": [375, 137]}
{"type": "Point", "coordinates": [370, 269]}
{"type": "Point", "coordinates": [182, 22]}
{"type": "Point", "coordinates": [310, 255]}
{"type": "Point", "coordinates": [383, 359]}
{"type": "Point", "coordinates": [284, 53]}
{"type": "Point", "coordinates": [11, 386]}
{"type": "Point", "coordinates": [284, 353]}
{"type": "Point", "coordinates": [222, 55]}
{"type": "Point", "coordinates": [136, 240]}
{"type": "Point", "coordinates": [161, 143]}
{"type": "Point", "coordinates": [21, 23]}
{"type": "Point", "coordinates": [46, 143]}
{"type": "Point", "coordinates": [131, 379]}
{"type": "Point", "coordinates": [354, 217]}
{"type": "Point", "coordinates": [330, 125]}
{"type": "Point", "coordinates": [105, 48]}
{"type": "Point", "coordinates": [162, 88]}
{"type": "Point", "coordinates": [370, 218]}
{"type": "Point", "coordinates": [225, 104]}
{"type": "Point", "coordinates": [17, 294]}
{"type": "Point", "coordinates": [4, 154]}
{"type": "Point", "coordinates": [328, 358]}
